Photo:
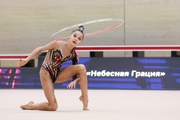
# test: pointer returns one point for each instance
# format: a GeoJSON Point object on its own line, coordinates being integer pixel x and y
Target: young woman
{"type": "Point", "coordinates": [51, 72]}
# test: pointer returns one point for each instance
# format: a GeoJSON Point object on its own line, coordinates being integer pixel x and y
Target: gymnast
{"type": "Point", "coordinates": [51, 71]}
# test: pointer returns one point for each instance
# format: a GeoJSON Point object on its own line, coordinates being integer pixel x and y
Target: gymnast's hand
{"type": "Point", "coordinates": [72, 84]}
{"type": "Point", "coordinates": [22, 62]}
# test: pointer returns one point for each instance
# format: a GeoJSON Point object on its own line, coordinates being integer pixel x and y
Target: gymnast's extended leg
{"type": "Point", "coordinates": [48, 88]}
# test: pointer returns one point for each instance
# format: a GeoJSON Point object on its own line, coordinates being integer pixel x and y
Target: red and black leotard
{"type": "Point", "coordinates": [54, 60]}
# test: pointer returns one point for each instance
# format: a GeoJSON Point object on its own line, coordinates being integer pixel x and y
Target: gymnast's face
{"type": "Point", "coordinates": [76, 38]}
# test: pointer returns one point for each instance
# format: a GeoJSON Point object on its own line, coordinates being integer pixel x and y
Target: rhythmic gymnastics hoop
{"type": "Point", "coordinates": [91, 22]}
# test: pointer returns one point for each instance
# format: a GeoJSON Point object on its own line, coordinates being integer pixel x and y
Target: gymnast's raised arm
{"type": "Point", "coordinates": [50, 46]}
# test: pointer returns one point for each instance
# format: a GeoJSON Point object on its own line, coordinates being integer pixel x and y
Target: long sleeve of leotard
{"type": "Point", "coordinates": [75, 60]}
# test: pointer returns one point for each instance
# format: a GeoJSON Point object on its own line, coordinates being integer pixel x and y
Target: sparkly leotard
{"type": "Point", "coordinates": [54, 60]}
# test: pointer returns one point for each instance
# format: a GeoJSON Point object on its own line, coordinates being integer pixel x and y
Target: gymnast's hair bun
{"type": "Point", "coordinates": [81, 28]}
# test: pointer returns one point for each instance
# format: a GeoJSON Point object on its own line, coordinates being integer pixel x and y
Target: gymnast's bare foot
{"type": "Point", "coordinates": [27, 106]}
{"type": "Point", "coordinates": [85, 103]}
